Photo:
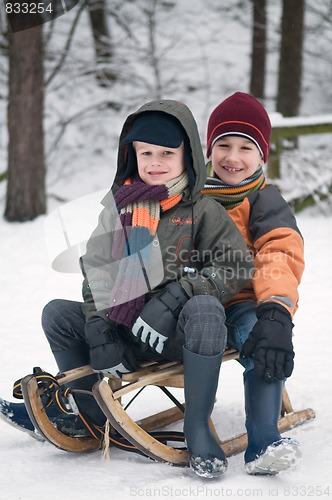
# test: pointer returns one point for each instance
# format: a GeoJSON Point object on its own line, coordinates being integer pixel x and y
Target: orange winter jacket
{"type": "Point", "coordinates": [271, 233]}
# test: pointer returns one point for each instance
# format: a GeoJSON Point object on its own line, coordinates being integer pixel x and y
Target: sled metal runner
{"type": "Point", "coordinates": [108, 395]}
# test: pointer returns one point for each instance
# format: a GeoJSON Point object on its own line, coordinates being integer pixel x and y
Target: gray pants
{"type": "Point", "coordinates": [201, 328]}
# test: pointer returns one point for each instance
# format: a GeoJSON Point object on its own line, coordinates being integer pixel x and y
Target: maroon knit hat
{"type": "Point", "coordinates": [240, 114]}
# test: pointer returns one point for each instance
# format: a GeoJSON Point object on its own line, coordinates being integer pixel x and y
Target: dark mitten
{"type": "Point", "coordinates": [108, 352]}
{"type": "Point", "coordinates": [270, 342]}
{"type": "Point", "coordinates": [157, 322]}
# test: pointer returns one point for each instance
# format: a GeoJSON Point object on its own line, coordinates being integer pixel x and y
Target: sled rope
{"type": "Point", "coordinates": [106, 441]}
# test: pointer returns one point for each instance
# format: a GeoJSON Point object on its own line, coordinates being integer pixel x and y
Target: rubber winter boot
{"type": "Point", "coordinates": [16, 415]}
{"type": "Point", "coordinates": [67, 360]}
{"type": "Point", "coordinates": [201, 374]}
{"type": "Point", "coordinates": [267, 452]}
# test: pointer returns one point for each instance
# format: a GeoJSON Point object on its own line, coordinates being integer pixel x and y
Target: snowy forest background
{"type": "Point", "coordinates": [197, 52]}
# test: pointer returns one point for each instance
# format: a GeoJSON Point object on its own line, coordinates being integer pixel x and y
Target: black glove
{"type": "Point", "coordinates": [157, 322]}
{"type": "Point", "coordinates": [270, 343]}
{"type": "Point", "coordinates": [108, 352]}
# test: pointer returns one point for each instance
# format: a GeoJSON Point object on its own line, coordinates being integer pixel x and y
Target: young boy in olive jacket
{"type": "Point", "coordinates": [157, 269]}
{"type": "Point", "coordinates": [259, 317]}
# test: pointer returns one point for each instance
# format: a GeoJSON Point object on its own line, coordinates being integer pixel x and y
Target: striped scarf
{"type": "Point", "coordinates": [232, 196]}
{"type": "Point", "coordinates": [139, 206]}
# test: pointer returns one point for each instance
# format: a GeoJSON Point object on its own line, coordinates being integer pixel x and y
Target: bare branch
{"type": "Point", "coordinates": [65, 51]}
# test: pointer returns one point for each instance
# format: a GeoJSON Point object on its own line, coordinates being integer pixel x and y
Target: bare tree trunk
{"type": "Point", "coordinates": [26, 197]}
{"type": "Point", "coordinates": [155, 62]}
{"type": "Point", "coordinates": [258, 52]}
{"type": "Point", "coordinates": [102, 39]}
{"type": "Point", "coordinates": [290, 62]}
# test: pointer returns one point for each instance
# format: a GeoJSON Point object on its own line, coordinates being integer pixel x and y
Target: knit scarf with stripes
{"type": "Point", "coordinates": [232, 196]}
{"type": "Point", "coordinates": [139, 206]}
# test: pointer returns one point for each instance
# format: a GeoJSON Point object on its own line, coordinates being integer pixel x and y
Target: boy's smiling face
{"type": "Point", "coordinates": [158, 164]}
{"type": "Point", "coordinates": [234, 159]}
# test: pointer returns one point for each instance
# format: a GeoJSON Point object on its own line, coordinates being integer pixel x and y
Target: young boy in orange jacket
{"type": "Point", "coordinates": [259, 318]}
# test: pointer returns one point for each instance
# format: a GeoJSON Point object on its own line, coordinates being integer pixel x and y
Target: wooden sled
{"type": "Point", "coordinates": [142, 434]}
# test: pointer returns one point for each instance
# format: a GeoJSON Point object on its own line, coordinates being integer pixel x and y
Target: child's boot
{"type": "Point", "coordinates": [267, 452]}
{"type": "Point", "coordinates": [16, 415]}
{"type": "Point", "coordinates": [74, 358]}
{"type": "Point", "coordinates": [201, 374]}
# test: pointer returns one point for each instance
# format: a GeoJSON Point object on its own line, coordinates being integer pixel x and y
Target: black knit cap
{"type": "Point", "coordinates": [156, 127]}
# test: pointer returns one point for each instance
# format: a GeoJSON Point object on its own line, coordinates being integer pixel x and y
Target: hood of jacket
{"type": "Point", "coordinates": [185, 117]}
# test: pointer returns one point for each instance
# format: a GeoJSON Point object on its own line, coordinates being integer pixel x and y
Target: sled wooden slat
{"type": "Point", "coordinates": [154, 378]}
{"type": "Point", "coordinates": [160, 419]}
{"type": "Point", "coordinates": [146, 369]}
{"type": "Point", "coordinates": [75, 374]}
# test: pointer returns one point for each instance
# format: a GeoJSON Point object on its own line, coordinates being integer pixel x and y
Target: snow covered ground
{"type": "Point", "coordinates": [31, 469]}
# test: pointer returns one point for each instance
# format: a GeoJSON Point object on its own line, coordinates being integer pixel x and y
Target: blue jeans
{"type": "Point", "coordinates": [240, 319]}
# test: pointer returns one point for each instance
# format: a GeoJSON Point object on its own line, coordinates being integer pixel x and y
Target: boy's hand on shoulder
{"type": "Point", "coordinates": [270, 343]}
{"type": "Point", "coordinates": [157, 322]}
{"type": "Point", "coordinates": [108, 353]}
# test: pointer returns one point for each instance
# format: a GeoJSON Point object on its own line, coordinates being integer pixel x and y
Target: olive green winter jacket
{"type": "Point", "coordinates": [197, 233]}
